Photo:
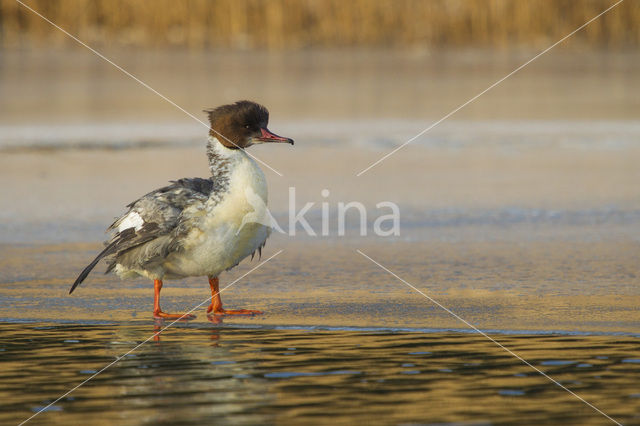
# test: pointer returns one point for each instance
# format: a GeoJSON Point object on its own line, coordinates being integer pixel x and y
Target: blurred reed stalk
{"type": "Point", "coordinates": [294, 24]}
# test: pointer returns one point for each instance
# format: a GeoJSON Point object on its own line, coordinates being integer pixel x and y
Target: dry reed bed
{"type": "Point", "coordinates": [284, 24]}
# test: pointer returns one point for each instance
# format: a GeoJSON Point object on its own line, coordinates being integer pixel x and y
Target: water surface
{"type": "Point", "coordinates": [230, 375]}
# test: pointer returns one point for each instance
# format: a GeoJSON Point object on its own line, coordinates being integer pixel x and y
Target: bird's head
{"type": "Point", "coordinates": [242, 124]}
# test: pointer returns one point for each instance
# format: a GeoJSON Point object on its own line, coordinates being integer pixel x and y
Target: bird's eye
{"type": "Point", "coordinates": [247, 127]}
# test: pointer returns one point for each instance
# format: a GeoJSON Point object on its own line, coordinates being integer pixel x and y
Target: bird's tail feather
{"type": "Point", "coordinates": [107, 251]}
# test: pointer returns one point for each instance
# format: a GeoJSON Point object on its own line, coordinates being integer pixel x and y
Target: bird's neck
{"type": "Point", "coordinates": [221, 158]}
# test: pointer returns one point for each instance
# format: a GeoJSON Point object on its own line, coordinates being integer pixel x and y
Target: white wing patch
{"type": "Point", "coordinates": [131, 220]}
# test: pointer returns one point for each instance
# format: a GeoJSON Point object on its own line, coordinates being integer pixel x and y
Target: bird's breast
{"type": "Point", "coordinates": [233, 225]}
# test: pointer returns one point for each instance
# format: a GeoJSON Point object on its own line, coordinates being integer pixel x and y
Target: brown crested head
{"type": "Point", "coordinates": [242, 124]}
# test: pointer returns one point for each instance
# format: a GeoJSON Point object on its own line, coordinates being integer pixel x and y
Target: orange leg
{"type": "Point", "coordinates": [216, 302]}
{"type": "Point", "coordinates": [157, 311]}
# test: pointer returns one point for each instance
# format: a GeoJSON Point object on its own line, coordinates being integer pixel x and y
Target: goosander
{"type": "Point", "coordinates": [195, 226]}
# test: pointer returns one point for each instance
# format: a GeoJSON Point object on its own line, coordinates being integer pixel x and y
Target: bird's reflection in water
{"type": "Point", "coordinates": [160, 324]}
{"type": "Point", "coordinates": [194, 370]}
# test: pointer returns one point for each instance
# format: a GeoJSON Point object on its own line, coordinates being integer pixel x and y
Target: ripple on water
{"type": "Point", "coordinates": [557, 362]}
{"type": "Point", "coordinates": [511, 392]}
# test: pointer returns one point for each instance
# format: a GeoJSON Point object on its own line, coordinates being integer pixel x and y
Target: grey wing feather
{"type": "Point", "coordinates": [164, 206]}
{"type": "Point", "coordinates": [163, 223]}
{"type": "Point", "coordinates": [163, 214]}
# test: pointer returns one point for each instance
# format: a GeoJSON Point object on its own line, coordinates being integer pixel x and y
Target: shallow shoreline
{"type": "Point", "coordinates": [581, 287]}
